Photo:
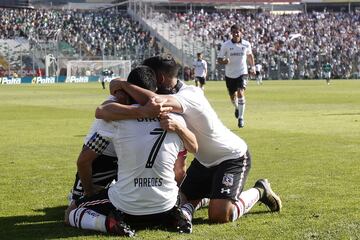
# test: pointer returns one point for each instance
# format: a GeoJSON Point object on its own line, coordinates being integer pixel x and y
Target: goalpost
{"type": "Point", "coordinates": [88, 68]}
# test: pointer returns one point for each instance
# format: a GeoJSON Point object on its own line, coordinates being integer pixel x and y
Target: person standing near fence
{"type": "Point", "coordinates": [259, 73]}
{"type": "Point", "coordinates": [235, 54]}
{"type": "Point", "coordinates": [327, 72]}
{"type": "Point", "coordinates": [200, 71]}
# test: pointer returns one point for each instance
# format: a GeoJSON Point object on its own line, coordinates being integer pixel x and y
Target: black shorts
{"type": "Point", "coordinates": [104, 171]}
{"type": "Point", "coordinates": [100, 203]}
{"type": "Point", "coordinates": [200, 79]}
{"type": "Point", "coordinates": [224, 181]}
{"type": "Point", "coordinates": [233, 84]}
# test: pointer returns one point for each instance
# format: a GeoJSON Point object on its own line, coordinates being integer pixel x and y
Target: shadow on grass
{"type": "Point", "coordinates": [50, 225]}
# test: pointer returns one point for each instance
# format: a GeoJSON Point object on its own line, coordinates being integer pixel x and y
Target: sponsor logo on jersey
{"type": "Point", "coordinates": [228, 179]}
{"type": "Point", "coordinates": [156, 119]}
{"type": "Point", "coordinates": [148, 182]}
{"type": "Point", "coordinates": [236, 54]}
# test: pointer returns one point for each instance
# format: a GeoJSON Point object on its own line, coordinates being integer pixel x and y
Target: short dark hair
{"type": "Point", "coordinates": [144, 77]}
{"type": "Point", "coordinates": [165, 64]}
{"type": "Point", "coordinates": [236, 27]}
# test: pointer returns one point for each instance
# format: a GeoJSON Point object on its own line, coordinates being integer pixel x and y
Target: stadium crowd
{"type": "Point", "coordinates": [288, 46]}
{"type": "Point", "coordinates": [108, 32]}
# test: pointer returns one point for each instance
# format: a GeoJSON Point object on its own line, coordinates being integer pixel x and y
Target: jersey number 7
{"type": "Point", "coordinates": [155, 149]}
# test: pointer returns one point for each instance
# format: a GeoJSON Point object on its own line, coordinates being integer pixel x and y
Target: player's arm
{"type": "Point", "coordinates": [222, 59]}
{"type": "Point", "coordinates": [251, 62]}
{"type": "Point", "coordinates": [170, 124]}
{"type": "Point", "coordinates": [84, 167]}
{"type": "Point", "coordinates": [206, 69]}
{"type": "Point", "coordinates": [115, 111]}
{"type": "Point", "coordinates": [146, 97]}
{"type": "Point", "coordinates": [180, 167]}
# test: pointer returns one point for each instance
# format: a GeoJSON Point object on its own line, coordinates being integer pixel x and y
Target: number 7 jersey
{"type": "Point", "coordinates": [146, 157]}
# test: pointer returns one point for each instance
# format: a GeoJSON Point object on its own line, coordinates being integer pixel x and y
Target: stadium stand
{"type": "Point", "coordinates": [289, 46]}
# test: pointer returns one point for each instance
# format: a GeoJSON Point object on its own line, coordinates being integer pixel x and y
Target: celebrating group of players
{"type": "Point", "coordinates": [132, 171]}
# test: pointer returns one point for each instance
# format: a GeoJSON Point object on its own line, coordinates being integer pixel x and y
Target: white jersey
{"type": "Point", "coordinates": [258, 67]}
{"type": "Point", "coordinates": [147, 154]}
{"type": "Point", "coordinates": [237, 54]}
{"type": "Point", "coordinates": [94, 141]}
{"type": "Point", "coordinates": [200, 68]}
{"type": "Point", "coordinates": [216, 142]}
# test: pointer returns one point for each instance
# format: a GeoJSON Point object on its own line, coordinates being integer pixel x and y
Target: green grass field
{"type": "Point", "coordinates": [304, 137]}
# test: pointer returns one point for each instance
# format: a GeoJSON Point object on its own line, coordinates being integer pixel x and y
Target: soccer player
{"type": "Point", "coordinates": [327, 72]}
{"type": "Point", "coordinates": [97, 161]}
{"type": "Point", "coordinates": [258, 68]}
{"type": "Point", "coordinates": [235, 54]}
{"type": "Point", "coordinates": [97, 166]}
{"type": "Point", "coordinates": [200, 71]}
{"type": "Point", "coordinates": [222, 163]}
{"type": "Point", "coordinates": [146, 190]}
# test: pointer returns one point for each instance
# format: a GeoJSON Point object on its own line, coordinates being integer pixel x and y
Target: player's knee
{"type": "Point", "coordinates": [71, 207]}
{"type": "Point", "coordinates": [219, 211]}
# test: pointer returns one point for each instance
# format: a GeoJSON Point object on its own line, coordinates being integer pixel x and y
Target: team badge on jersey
{"type": "Point", "coordinates": [228, 179]}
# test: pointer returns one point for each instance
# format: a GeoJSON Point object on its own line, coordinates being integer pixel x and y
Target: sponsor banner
{"type": "Point", "coordinates": [6, 80]}
{"type": "Point", "coordinates": [50, 80]}
{"type": "Point", "coordinates": [77, 79]}
{"type": "Point", "coordinates": [82, 79]}
{"type": "Point", "coordinates": [108, 78]}
{"type": "Point", "coordinates": [43, 80]}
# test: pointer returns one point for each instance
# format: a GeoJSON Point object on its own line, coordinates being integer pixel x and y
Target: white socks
{"type": "Point", "coordinates": [246, 201]}
{"type": "Point", "coordinates": [203, 203]}
{"type": "Point", "coordinates": [87, 219]}
{"type": "Point", "coordinates": [235, 102]}
{"type": "Point", "coordinates": [188, 210]}
{"type": "Point", "coordinates": [241, 107]}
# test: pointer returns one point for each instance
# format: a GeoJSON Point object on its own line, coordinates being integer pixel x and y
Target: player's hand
{"type": "Point", "coordinates": [115, 85]}
{"type": "Point", "coordinates": [252, 71]}
{"type": "Point", "coordinates": [226, 60]}
{"type": "Point", "coordinates": [168, 124]}
{"type": "Point", "coordinates": [155, 107]}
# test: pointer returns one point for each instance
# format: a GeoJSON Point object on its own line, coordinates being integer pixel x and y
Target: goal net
{"type": "Point", "coordinates": [79, 68]}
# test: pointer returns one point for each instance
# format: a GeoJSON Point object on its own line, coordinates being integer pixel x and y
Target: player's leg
{"type": "Point", "coordinates": [97, 213]}
{"type": "Point", "coordinates": [196, 81]}
{"type": "Point", "coordinates": [260, 78]}
{"type": "Point", "coordinates": [226, 203]}
{"type": "Point", "coordinates": [104, 172]}
{"type": "Point", "coordinates": [231, 86]}
{"type": "Point", "coordinates": [242, 82]}
{"type": "Point", "coordinates": [195, 187]}
{"type": "Point", "coordinates": [202, 83]}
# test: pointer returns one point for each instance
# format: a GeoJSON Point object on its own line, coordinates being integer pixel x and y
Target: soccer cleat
{"type": "Point", "coordinates": [269, 198]}
{"type": "Point", "coordinates": [115, 225]}
{"type": "Point", "coordinates": [236, 113]}
{"type": "Point", "coordinates": [241, 123]}
{"type": "Point", "coordinates": [181, 222]}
